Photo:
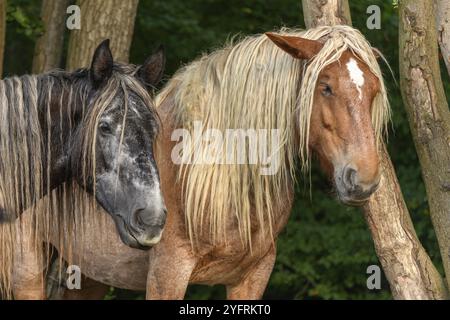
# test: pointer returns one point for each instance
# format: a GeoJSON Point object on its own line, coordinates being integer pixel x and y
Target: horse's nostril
{"type": "Point", "coordinates": [349, 178]}
{"type": "Point", "coordinates": [139, 217]}
{"type": "Point", "coordinates": [144, 218]}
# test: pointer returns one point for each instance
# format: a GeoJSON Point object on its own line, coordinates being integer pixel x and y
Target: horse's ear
{"type": "Point", "coordinates": [151, 72]}
{"type": "Point", "coordinates": [299, 48]}
{"type": "Point", "coordinates": [102, 64]}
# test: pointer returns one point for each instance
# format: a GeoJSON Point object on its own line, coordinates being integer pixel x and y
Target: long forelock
{"type": "Point", "coordinates": [120, 86]}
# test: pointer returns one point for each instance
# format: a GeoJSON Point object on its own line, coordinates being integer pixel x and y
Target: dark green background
{"type": "Point", "coordinates": [326, 247]}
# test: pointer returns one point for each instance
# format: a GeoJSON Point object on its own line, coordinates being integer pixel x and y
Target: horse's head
{"type": "Point", "coordinates": [341, 132]}
{"type": "Point", "coordinates": [123, 125]}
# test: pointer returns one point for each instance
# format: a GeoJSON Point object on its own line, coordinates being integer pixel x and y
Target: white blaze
{"type": "Point", "coordinates": [356, 75]}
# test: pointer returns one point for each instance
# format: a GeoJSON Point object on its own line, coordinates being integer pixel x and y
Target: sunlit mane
{"type": "Point", "coordinates": [254, 84]}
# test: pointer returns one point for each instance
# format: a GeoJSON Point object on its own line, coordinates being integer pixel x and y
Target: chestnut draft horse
{"type": "Point", "coordinates": [321, 89]}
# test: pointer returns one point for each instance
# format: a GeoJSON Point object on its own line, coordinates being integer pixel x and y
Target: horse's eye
{"type": "Point", "coordinates": [105, 128]}
{"type": "Point", "coordinates": [326, 90]}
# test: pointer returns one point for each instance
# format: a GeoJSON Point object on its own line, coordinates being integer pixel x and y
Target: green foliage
{"type": "Point", "coordinates": [19, 12]}
{"type": "Point", "coordinates": [326, 247]}
{"type": "Point", "coordinates": [188, 28]}
{"type": "Point", "coordinates": [23, 28]}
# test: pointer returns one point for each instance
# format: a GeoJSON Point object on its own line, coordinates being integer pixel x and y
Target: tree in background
{"type": "Point", "coordinates": [321, 13]}
{"type": "Point", "coordinates": [49, 46]}
{"type": "Point", "coordinates": [100, 20]}
{"type": "Point", "coordinates": [2, 33]}
{"type": "Point", "coordinates": [428, 113]}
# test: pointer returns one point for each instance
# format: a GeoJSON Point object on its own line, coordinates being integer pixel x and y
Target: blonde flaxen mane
{"type": "Point", "coordinates": [254, 84]}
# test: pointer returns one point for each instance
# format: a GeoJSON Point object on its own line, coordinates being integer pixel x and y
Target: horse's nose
{"type": "Point", "coordinates": [354, 187]}
{"type": "Point", "coordinates": [144, 218]}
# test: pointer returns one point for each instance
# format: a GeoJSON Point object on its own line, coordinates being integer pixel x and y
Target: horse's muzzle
{"type": "Point", "coordinates": [143, 229]}
{"type": "Point", "coordinates": [351, 191]}
{"type": "Point", "coordinates": [147, 225]}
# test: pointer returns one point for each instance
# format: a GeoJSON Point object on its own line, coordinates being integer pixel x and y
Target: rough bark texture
{"type": "Point", "coordinates": [2, 33]}
{"type": "Point", "coordinates": [48, 49]}
{"type": "Point", "coordinates": [408, 268]}
{"type": "Point", "coordinates": [428, 113]}
{"type": "Point", "coordinates": [100, 20]}
{"type": "Point", "coordinates": [326, 12]}
{"type": "Point", "coordinates": [442, 8]}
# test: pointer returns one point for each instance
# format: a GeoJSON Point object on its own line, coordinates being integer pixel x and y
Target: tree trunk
{"type": "Point", "coordinates": [49, 47]}
{"type": "Point", "coordinates": [408, 268]}
{"type": "Point", "coordinates": [428, 113]}
{"type": "Point", "coordinates": [2, 33]}
{"type": "Point", "coordinates": [100, 20]}
{"type": "Point", "coordinates": [328, 12]}
{"type": "Point", "coordinates": [442, 9]}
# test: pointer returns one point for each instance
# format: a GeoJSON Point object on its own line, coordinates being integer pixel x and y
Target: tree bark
{"type": "Point", "coordinates": [326, 12]}
{"type": "Point", "coordinates": [442, 9]}
{"type": "Point", "coordinates": [408, 268]}
{"type": "Point", "coordinates": [428, 114]}
{"type": "Point", "coordinates": [49, 47]}
{"type": "Point", "coordinates": [2, 33]}
{"type": "Point", "coordinates": [100, 20]}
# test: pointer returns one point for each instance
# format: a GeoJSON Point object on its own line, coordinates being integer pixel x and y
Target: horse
{"type": "Point", "coordinates": [321, 89]}
{"type": "Point", "coordinates": [53, 126]}
{"type": "Point", "coordinates": [92, 127]}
